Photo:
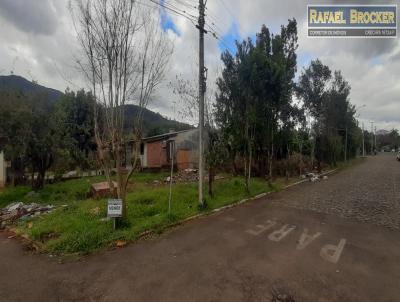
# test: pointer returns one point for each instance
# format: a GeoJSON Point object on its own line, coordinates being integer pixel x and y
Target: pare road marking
{"type": "Point", "coordinates": [329, 252]}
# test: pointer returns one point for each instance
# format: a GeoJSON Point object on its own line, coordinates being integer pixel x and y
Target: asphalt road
{"type": "Point", "coordinates": [336, 240]}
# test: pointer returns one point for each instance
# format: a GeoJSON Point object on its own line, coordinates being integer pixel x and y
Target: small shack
{"type": "Point", "coordinates": [155, 150]}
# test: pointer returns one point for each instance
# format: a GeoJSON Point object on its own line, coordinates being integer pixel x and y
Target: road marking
{"type": "Point", "coordinates": [281, 233]}
{"type": "Point", "coordinates": [329, 252]}
{"type": "Point", "coordinates": [260, 228]}
{"type": "Point", "coordinates": [306, 239]}
{"type": "Point", "coordinates": [332, 252]}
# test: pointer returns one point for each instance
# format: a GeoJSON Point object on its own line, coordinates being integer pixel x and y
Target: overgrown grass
{"type": "Point", "coordinates": [81, 227]}
{"type": "Point", "coordinates": [66, 191]}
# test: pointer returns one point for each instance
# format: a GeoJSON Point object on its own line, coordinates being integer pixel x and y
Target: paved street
{"type": "Point", "coordinates": [335, 240]}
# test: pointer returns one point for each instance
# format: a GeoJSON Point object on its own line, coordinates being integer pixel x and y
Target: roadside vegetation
{"type": "Point", "coordinates": [79, 224]}
{"type": "Point", "coordinates": [264, 126]}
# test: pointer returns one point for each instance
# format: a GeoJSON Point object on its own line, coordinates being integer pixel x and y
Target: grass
{"type": "Point", "coordinates": [81, 227]}
{"type": "Point", "coordinates": [66, 191]}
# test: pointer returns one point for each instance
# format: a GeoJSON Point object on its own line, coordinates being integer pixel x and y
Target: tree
{"type": "Point", "coordinates": [15, 130]}
{"type": "Point", "coordinates": [254, 106]}
{"type": "Point", "coordinates": [313, 88]}
{"type": "Point", "coordinates": [326, 98]}
{"type": "Point", "coordinates": [125, 56]}
{"type": "Point", "coordinates": [28, 135]}
{"type": "Point", "coordinates": [75, 115]}
{"type": "Point", "coordinates": [215, 151]}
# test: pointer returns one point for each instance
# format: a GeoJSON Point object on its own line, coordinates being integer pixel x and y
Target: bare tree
{"type": "Point", "coordinates": [125, 56]}
{"type": "Point", "coordinates": [187, 92]}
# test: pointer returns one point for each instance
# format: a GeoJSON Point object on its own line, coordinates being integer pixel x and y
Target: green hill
{"type": "Point", "coordinates": [22, 85]}
{"type": "Point", "coordinates": [153, 123]}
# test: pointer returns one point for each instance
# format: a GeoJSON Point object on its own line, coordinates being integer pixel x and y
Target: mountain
{"type": "Point", "coordinates": [20, 84]}
{"type": "Point", "coordinates": [153, 123]}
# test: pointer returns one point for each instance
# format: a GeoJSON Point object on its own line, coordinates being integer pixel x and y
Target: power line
{"type": "Point", "coordinates": [187, 5]}
{"type": "Point", "coordinates": [215, 31]}
{"type": "Point", "coordinates": [172, 10]}
{"type": "Point", "coordinates": [220, 38]}
{"type": "Point", "coordinates": [215, 19]}
{"type": "Point", "coordinates": [227, 8]}
{"type": "Point", "coordinates": [180, 9]}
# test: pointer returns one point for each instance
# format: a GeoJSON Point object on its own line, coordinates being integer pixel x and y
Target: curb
{"type": "Point", "coordinates": [38, 247]}
{"type": "Point", "coordinates": [235, 204]}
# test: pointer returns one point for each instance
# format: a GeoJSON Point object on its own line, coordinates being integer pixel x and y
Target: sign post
{"type": "Point", "coordinates": [114, 210]}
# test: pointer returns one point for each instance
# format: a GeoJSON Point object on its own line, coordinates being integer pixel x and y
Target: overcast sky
{"type": "Point", "coordinates": [38, 42]}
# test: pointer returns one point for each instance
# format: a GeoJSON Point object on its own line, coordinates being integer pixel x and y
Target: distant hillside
{"type": "Point", "coordinates": [153, 123]}
{"type": "Point", "coordinates": [20, 84]}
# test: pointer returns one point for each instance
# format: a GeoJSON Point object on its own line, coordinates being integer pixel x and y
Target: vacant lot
{"type": "Point", "coordinates": [244, 254]}
{"type": "Point", "coordinates": [79, 224]}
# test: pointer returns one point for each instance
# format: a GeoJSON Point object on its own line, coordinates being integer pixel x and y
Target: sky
{"type": "Point", "coordinates": [38, 41]}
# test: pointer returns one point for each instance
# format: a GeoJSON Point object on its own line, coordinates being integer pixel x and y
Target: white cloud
{"type": "Point", "coordinates": [38, 40]}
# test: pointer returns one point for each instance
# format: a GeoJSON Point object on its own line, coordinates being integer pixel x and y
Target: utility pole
{"type": "Point", "coordinates": [363, 139]}
{"type": "Point", "coordinates": [372, 138]}
{"type": "Point", "coordinates": [345, 150]}
{"type": "Point", "coordinates": [375, 139]}
{"type": "Point", "coordinates": [202, 89]}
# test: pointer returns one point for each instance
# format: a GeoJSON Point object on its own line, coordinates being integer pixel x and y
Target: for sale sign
{"type": "Point", "coordinates": [114, 208]}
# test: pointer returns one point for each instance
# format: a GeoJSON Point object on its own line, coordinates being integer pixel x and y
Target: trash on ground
{"type": "Point", "coordinates": [188, 175]}
{"type": "Point", "coordinates": [120, 243]}
{"type": "Point", "coordinates": [19, 210]}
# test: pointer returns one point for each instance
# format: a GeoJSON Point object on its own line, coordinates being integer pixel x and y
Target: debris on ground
{"type": "Point", "coordinates": [120, 243]}
{"type": "Point", "coordinates": [187, 175]}
{"type": "Point", "coordinates": [19, 210]}
{"type": "Point", "coordinates": [95, 211]}
{"type": "Point", "coordinates": [102, 189]}
{"type": "Point", "coordinates": [281, 294]}
{"type": "Point", "coordinates": [313, 177]}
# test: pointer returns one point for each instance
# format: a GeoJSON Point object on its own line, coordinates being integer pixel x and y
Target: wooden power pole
{"type": "Point", "coordinates": [202, 89]}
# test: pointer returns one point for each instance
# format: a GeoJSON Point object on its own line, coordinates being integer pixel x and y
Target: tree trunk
{"type": "Point", "coordinates": [210, 181]}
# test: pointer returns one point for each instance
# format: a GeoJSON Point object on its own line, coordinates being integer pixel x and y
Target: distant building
{"type": "Point", "coordinates": [155, 151]}
{"type": "Point", "coordinates": [3, 167]}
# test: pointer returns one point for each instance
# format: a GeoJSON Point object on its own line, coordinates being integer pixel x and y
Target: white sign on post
{"type": "Point", "coordinates": [114, 209]}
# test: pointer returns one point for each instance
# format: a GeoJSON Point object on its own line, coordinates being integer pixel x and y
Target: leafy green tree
{"type": "Point", "coordinates": [326, 97]}
{"type": "Point", "coordinates": [27, 129]}
{"type": "Point", "coordinates": [75, 117]}
{"type": "Point", "coordinates": [254, 101]}
{"type": "Point", "coordinates": [15, 130]}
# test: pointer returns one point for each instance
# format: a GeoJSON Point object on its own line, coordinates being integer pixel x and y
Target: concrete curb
{"type": "Point", "coordinates": [38, 247]}
{"type": "Point", "coordinates": [235, 204]}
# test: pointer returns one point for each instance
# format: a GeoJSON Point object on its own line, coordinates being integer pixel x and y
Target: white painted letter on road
{"type": "Point", "coordinates": [262, 228]}
{"type": "Point", "coordinates": [306, 239]}
{"type": "Point", "coordinates": [282, 233]}
{"type": "Point", "coordinates": [332, 252]}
